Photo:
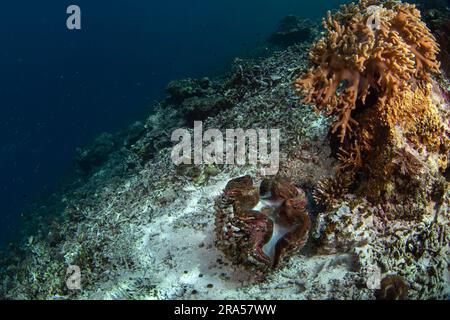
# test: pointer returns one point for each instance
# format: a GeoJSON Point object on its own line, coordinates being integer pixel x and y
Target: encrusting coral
{"type": "Point", "coordinates": [372, 72]}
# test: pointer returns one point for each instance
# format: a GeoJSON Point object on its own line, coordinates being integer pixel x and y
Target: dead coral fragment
{"type": "Point", "coordinates": [261, 233]}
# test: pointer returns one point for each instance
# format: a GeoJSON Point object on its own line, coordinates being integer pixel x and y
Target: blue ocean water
{"type": "Point", "coordinates": [60, 88]}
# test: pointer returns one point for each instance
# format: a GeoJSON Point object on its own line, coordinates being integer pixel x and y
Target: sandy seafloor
{"type": "Point", "coordinates": [139, 228]}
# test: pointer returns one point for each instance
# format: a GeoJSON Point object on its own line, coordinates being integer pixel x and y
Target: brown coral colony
{"type": "Point", "coordinates": [382, 61]}
{"type": "Point", "coordinates": [372, 71]}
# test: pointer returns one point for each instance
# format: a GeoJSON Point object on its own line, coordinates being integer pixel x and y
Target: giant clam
{"type": "Point", "coordinates": [261, 226]}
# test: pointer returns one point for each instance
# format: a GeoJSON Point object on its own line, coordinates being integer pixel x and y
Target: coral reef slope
{"type": "Point", "coordinates": [359, 209]}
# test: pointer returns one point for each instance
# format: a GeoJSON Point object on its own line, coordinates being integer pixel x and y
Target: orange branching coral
{"type": "Point", "coordinates": [368, 49]}
{"type": "Point", "coordinates": [371, 71]}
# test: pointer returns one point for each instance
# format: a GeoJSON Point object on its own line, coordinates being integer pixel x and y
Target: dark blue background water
{"type": "Point", "coordinates": [60, 88]}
